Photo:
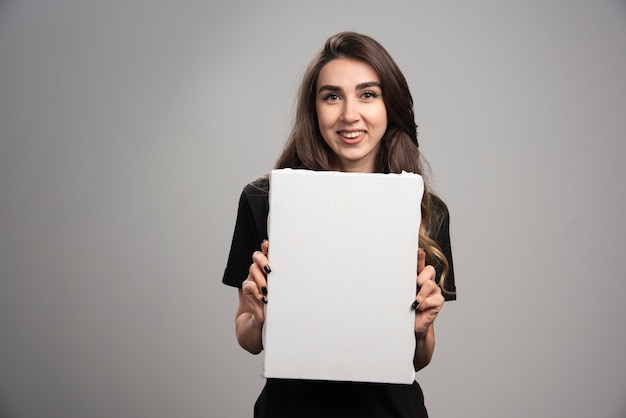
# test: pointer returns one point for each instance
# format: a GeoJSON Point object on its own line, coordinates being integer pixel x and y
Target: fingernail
{"type": "Point", "coordinates": [264, 290]}
{"type": "Point", "coordinates": [267, 269]}
{"type": "Point", "coordinates": [264, 299]}
{"type": "Point", "coordinates": [414, 305]}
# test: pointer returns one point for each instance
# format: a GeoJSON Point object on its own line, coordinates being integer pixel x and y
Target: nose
{"type": "Point", "coordinates": [350, 112]}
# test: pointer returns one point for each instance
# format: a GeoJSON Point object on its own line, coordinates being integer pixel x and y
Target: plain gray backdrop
{"type": "Point", "coordinates": [128, 129]}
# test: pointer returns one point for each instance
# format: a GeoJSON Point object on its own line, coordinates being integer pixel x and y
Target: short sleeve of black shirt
{"type": "Point", "coordinates": [250, 231]}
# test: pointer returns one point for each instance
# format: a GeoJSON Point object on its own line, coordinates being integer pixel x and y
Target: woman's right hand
{"type": "Point", "coordinates": [254, 288]}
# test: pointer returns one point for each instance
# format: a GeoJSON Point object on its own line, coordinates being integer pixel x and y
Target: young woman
{"type": "Point", "coordinates": [354, 114]}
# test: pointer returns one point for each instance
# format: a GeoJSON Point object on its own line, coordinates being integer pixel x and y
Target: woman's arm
{"type": "Point", "coordinates": [428, 302]}
{"type": "Point", "coordinates": [424, 348]}
{"type": "Point", "coordinates": [250, 315]}
{"type": "Point", "coordinates": [248, 327]}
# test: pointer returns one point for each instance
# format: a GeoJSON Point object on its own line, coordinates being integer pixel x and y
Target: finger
{"type": "Point", "coordinates": [426, 287]}
{"type": "Point", "coordinates": [265, 246]}
{"type": "Point", "coordinates": [257, 277]}
{"type": "Point", "coordinates": [261, 262]}
{"type": "Point", "coordinates": [424, 292]}
{"type": "Point", "coordinates": [421, 260]}
{"type": "Point", "coordinates": [260, 259]}
{"type": "Point", "coordinates": [427, 273]}
{"type": "Point", "coordinates": [251, 289]}
{"type": "Point", "coordinates": [254, 298]}
{"type": "Point", "coordinates": [433, 301]}
{"type": "Point", "coordinates": [254, 304]}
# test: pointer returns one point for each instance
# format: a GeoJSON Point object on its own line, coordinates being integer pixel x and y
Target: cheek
{"type": "Point", "coordinates": [325, 120]}
{"type": "Point", "coordinates": [381, 113]}
{"type": "Point", "coordinates": [380, 117]}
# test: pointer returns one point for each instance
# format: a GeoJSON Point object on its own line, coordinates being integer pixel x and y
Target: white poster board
{"type": "Point", "coordinates": [343, 253]}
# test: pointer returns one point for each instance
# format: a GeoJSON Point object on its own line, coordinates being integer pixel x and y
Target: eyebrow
{"type": "Point", "coordinates": [360, 86]}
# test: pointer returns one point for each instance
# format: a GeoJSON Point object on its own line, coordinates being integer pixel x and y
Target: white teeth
{"type": "Point", "coordinates": [352, 134]}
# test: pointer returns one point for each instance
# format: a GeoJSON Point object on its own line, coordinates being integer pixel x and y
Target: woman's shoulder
{"type": "Point", "coordinates": [438, 205]}
{"type": "Point", "coordinates": [439, 214]}
{"type": "Point", "coordinates": [259, 187]}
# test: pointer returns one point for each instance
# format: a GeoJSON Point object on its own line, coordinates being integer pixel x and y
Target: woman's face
{"type": "Point", "coordinates": [351, 113]}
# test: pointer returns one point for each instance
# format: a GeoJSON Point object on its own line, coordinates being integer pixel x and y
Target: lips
{"type": "Point", "coordinates": [351, 134]}
{"type": "Point", "coordinates": [352, 137]}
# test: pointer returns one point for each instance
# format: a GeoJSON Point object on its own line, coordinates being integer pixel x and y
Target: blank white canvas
{"type": "Point", "coordinates": [343, 252]}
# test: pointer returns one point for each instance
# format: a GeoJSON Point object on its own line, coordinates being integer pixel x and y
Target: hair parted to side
{"type": "Point", "coordinates": [399, 147]}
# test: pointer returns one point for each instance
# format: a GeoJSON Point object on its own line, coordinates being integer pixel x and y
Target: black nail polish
{"type": "Point", "coordinates": [267, 269]}
{"type": "Point", "coordinates": [264, 299]}
{"type": "Point", "coordinates": [414, 305]}
{"type": "Point", "coordinates": [264, 290]}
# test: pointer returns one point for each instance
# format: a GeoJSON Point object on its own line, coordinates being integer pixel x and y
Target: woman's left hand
{"type": "Point", "coordinates": [429, 298]}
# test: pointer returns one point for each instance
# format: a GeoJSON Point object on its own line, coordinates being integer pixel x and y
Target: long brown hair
{"type": "Point", "coordinates": [399, 148]}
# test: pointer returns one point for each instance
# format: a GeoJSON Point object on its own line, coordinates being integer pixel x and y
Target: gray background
{"type": "Point", "coordinates": [129, 128]}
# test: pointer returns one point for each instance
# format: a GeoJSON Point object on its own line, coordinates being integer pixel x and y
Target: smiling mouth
{"type": "Point", "coordinates": [352, 134]}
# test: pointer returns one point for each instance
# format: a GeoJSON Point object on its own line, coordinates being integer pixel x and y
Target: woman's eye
{"type": "Point", "coordinates": [331, 97]}
{"type": "Point", "coordinates": [370, 95]}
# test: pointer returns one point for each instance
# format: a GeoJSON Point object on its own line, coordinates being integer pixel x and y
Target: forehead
{"type": "Point", "coordinates": [346, 72]}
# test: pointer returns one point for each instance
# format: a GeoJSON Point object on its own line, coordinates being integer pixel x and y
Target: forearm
{"type": "Point", "coordinates": [249, 334]}
{"type": "Point", "coordinates": [424, 348]}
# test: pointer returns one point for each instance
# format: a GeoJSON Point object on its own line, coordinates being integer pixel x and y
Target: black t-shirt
{"type": "Point", "coordinates": [282, 398]}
